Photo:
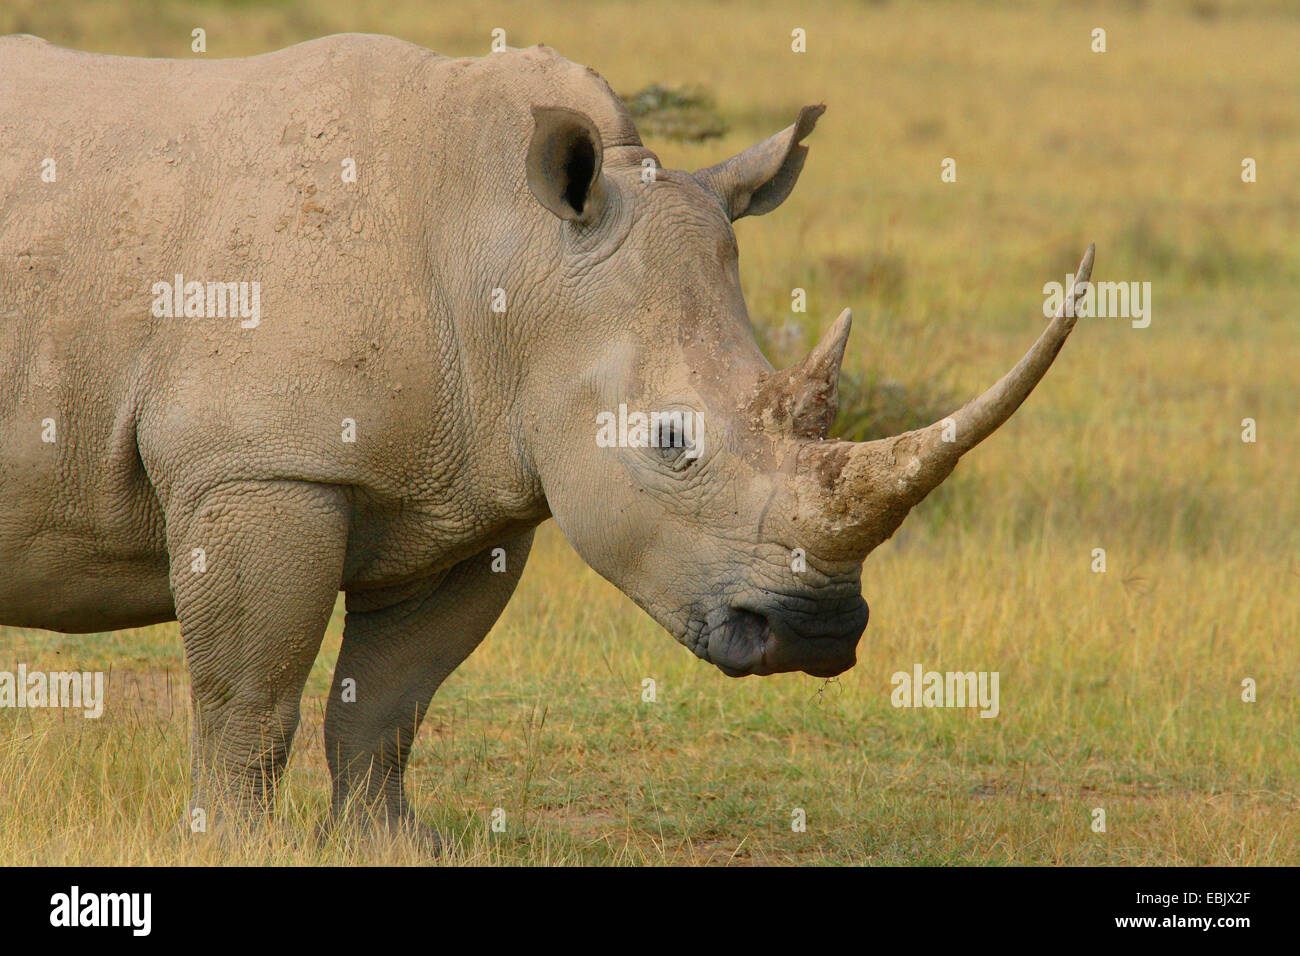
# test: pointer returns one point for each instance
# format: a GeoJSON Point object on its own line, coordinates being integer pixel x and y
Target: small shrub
{"type": "Point", "coordinates": [871, 407]}
{"type": "Point", "coordinates": [684, 113]}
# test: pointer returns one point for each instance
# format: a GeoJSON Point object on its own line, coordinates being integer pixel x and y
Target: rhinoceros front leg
{"type": "Point", "coordinates": [397, 649]}
{"type": "Point", "coordinates": [255, 571]}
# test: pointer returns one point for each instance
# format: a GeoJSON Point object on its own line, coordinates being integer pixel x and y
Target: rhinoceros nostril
{"type": "Point", "coordinates": [810, 616]}
{"type": "Point", "coordinates": [841, 620]}
{"type": "Point", "coordinates": [738, 642]}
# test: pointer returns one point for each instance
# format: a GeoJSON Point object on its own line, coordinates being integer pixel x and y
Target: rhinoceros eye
{"type": "Point", "coordinates": [669, 436]}
{"type": "Point", "coordinates": [674, 439]}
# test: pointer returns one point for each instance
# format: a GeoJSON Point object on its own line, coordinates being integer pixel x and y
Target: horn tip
{"type": "Point", "coordinates": [840, 328]}
{"type": "Point", "coordinates": [1085, 267]}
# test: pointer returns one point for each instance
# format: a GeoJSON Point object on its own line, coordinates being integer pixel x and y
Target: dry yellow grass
{"type": "Point", "coordinates": [1119, 690]}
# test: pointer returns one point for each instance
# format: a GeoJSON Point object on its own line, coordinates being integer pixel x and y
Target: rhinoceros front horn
{"type": "Point", "coordinates": [853, 495]}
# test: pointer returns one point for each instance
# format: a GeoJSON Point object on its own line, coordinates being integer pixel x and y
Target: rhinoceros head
{"type": "Point", "coordinates": [675, 459]}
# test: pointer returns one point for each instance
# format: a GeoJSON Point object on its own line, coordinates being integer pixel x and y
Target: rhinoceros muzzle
{"type": "Point", "coordinates": [746, 642]}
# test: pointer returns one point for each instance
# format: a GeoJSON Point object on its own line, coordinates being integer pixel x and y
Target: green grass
{"type": "Point", "coordinates": [1118, 690]}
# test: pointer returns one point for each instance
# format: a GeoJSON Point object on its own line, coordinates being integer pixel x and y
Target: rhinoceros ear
{"type": "Point", "coordinates": [758, 180]}
{"type": "Point", "coordinates": [564, 163]}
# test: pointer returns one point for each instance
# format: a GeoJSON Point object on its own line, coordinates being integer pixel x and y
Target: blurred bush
{"type": "Point", "coordinates": [681, 113]}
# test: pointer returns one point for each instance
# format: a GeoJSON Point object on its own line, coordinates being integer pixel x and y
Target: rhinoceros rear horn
{"type": "Point", "coordinates": [758, 180]}
{"type": "Point", "coordinates": [805, 398]}
{"type": "Point", "coordinates": [563, 163]}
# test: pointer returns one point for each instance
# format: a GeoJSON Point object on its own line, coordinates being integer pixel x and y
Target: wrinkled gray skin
{"type": "Point", "coordinates": [518, 171]}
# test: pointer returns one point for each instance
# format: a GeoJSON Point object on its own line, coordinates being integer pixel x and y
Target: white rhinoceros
{"type": "Point", "coordinates": [356, 316]}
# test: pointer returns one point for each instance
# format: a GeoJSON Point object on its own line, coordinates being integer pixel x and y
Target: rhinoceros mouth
{"type": "Point", "coordinates": [740, 641]}
{"type": "Point", "coordinates": [744, 643]}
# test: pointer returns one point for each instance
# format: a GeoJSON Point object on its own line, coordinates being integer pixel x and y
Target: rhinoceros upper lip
{"type": "Point", "coordinates": [738, 645]}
